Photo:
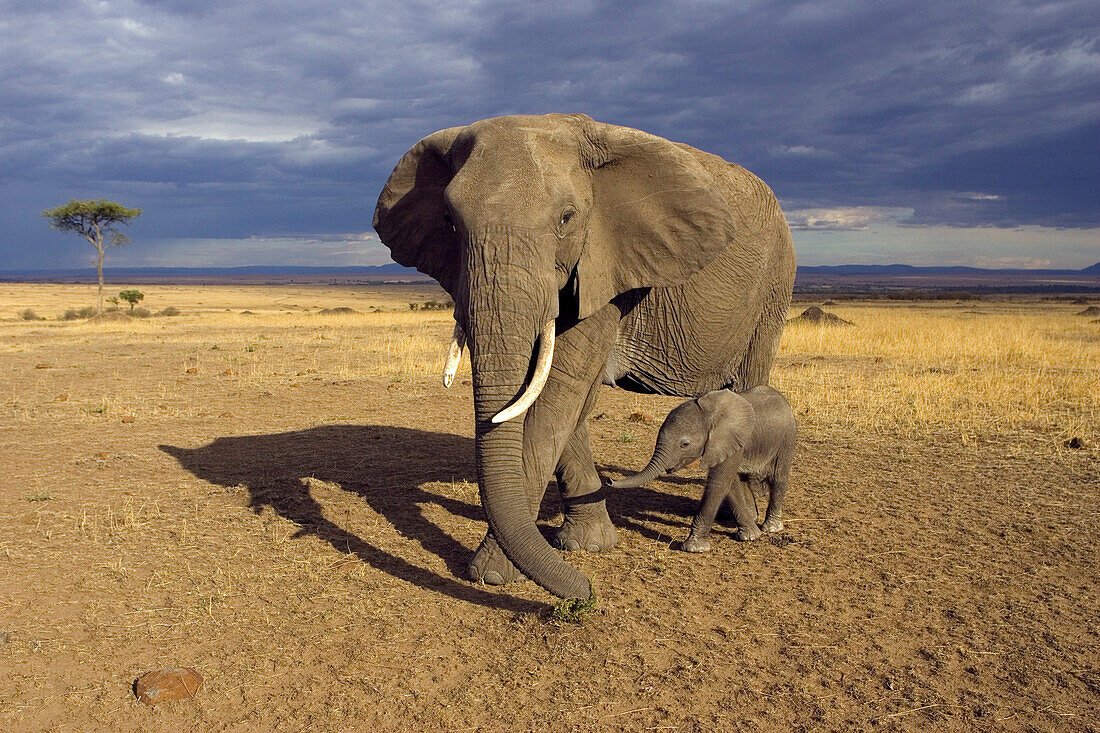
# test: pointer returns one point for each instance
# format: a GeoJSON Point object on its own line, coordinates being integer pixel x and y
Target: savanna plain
{"type": "Point", "coordinates": [285, 500]}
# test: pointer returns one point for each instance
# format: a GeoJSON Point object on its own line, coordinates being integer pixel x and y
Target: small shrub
{"type": "Point", "coordinates": [28, 314]}
{"type": "Point", "coordinates": [573, 610]}
{"type": "Point", "coordinates": [72, 314]}
{"type": "Point", "coordinates": [169, 311]}
{"type": "Point", "coordinates": [140, 312]}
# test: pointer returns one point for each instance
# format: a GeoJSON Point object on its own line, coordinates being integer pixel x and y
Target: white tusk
{"type": "Point", "coordinates": [538, 379]}
{"type": "Point", "coordinates": [454, 356]}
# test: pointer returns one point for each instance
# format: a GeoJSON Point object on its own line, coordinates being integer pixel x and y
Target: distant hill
{"type": "Point", "coordinates": [199, 275]}
{"type": "Point", "coordinates": [911, 270]}
{"type": "Point", "coordinates": [838, 279]}
{"type": "Point", "coordinates": [854, 279]}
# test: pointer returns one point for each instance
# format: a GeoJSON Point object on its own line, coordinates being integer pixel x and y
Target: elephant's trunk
{"type": "Point", "coordinates": [503, 486]}
{"type": "Point", "coordinates": [503, 320]}
{"type": "Point", "coordinates": [653, 469]}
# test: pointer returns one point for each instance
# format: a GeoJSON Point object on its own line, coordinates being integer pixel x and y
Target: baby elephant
{"type": "Point", "coordinates": [743, 440]}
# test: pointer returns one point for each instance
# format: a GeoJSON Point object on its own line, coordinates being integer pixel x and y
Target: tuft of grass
{"type": "Point", "coordinates": [626, 436]}
{"type": "Point", "coordinates": [572, 610]}
{"type": "Point", "coordinates": [39, 496]}
{"type": "Point", "coordinates": [73, 314]}
{"type": "Point", "coordinates": [28, 314]}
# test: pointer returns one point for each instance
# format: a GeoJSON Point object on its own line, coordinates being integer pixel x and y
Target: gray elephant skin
{"type": "Point", "coordinates": [744, 441]}
{"type": "Point", "coordinates": [583, 253]}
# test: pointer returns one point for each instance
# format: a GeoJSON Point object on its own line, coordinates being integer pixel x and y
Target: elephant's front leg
{"type": "Point", "coordinates": [587, 525]}
{"type": "Point", "coordinates": [550, 425]}
{"type": "Point", "coordinates": [722, 482]}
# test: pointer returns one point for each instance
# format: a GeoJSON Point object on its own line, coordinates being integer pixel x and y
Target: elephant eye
{"type": "Point", "coordinates": [566, 216]}
{"type": "Point", "coordinates": [685, 443]}
{"type": "Point", "coordinates": [449, 222]}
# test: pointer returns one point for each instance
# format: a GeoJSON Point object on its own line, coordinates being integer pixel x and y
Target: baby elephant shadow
{"type": "Point", "coordinates": [638, 508]}
{"type": "Point", "coordinates": [386, 466]}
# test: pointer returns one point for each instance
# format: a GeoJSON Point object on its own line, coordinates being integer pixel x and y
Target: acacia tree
{"type": "Point", "coordinates": [133, 297]}
{"type": "Point", "coordinates": [95, 220]}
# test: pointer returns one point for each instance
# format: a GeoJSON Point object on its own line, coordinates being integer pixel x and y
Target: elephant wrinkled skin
{"type": "Point", "coordinates": [662, 269]}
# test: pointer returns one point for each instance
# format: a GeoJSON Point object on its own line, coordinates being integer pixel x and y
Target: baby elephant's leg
{"type": "Point", "coordinates": [756, 491]}
{"type": "Point", "coordinates": [720, 481]}
{"type": "Point", "coordinates": [744, 511]}
{"type": "Point", "coordinates": [726, 513]}
{"type": "Point", "coordinates": [773, 520]}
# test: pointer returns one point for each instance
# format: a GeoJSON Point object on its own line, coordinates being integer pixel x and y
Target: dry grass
{"type": "Point", "coordinates": [957, 371]}
{"type": "Point", "coordinates": [949, 370]}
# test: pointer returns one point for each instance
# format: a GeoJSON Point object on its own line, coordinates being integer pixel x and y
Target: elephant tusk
{"type": "Point", "coordinates": [538, 379]}
{"type": "Point", "coordinates": [454, 355]}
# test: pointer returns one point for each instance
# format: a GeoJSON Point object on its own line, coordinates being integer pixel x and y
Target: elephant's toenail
{"type": "Point", "coordinates": [570, 545]}
{"type": "Point", "coordinates": [593, 548]}
{"type": "Point", "coordinates": [492, 577]}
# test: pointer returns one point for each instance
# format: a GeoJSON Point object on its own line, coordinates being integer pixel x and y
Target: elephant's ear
{"type": "Point", "coordinates": [729, 420]}
{"type": "Point", "coordinates": [410, 217]}
{"type": "Point", "coordinates": [657, 215]}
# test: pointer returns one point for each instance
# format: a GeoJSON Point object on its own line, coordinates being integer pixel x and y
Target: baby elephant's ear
{"type": "Point", "coordinates": [728, 418]}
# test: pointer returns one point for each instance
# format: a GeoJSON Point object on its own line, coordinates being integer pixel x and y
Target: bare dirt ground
{"type": "Point", "coordinates": [285, 501]}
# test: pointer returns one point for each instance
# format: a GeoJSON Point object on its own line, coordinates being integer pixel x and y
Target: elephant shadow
{"type": "Point", "coordinates": [386, 466]}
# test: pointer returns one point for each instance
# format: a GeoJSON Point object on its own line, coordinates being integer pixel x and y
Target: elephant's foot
{"type": "Point", "coordinates": [695, 544]}
{"type": "Point", "coordinates": [747, 534]}
{"type": "Point", "coordinates": [772, 524]}
{"type": "Point", "coordinates": [490, 565]}
{"type": "Point", "coordinates": [588, 528]}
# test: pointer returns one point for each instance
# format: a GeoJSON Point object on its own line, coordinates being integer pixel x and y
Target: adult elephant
{"type": "Point", "coordinates": [577, 253]}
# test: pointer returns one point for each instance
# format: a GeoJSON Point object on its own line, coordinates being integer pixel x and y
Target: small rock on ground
{"type": "Point", "coordinates": [170, 683]}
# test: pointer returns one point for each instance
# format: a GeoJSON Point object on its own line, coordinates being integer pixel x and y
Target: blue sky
{"type": "Point", "coordinates": [913, 131]}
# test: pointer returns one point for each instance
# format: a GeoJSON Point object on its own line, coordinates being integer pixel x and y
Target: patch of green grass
{"type": "Point", "coordinates": [626, 436]}
{"type": "Point", "coordinates": [40, 496]}
{"type": "Point", "coordinates": [572, 610]}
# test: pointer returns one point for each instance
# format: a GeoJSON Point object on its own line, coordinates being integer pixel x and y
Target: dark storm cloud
{"type": "Point", "coordinates": [257, 119]}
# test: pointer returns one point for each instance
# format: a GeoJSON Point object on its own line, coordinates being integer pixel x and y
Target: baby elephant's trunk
{"type": "Point", "coordinates": [653, 470]}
